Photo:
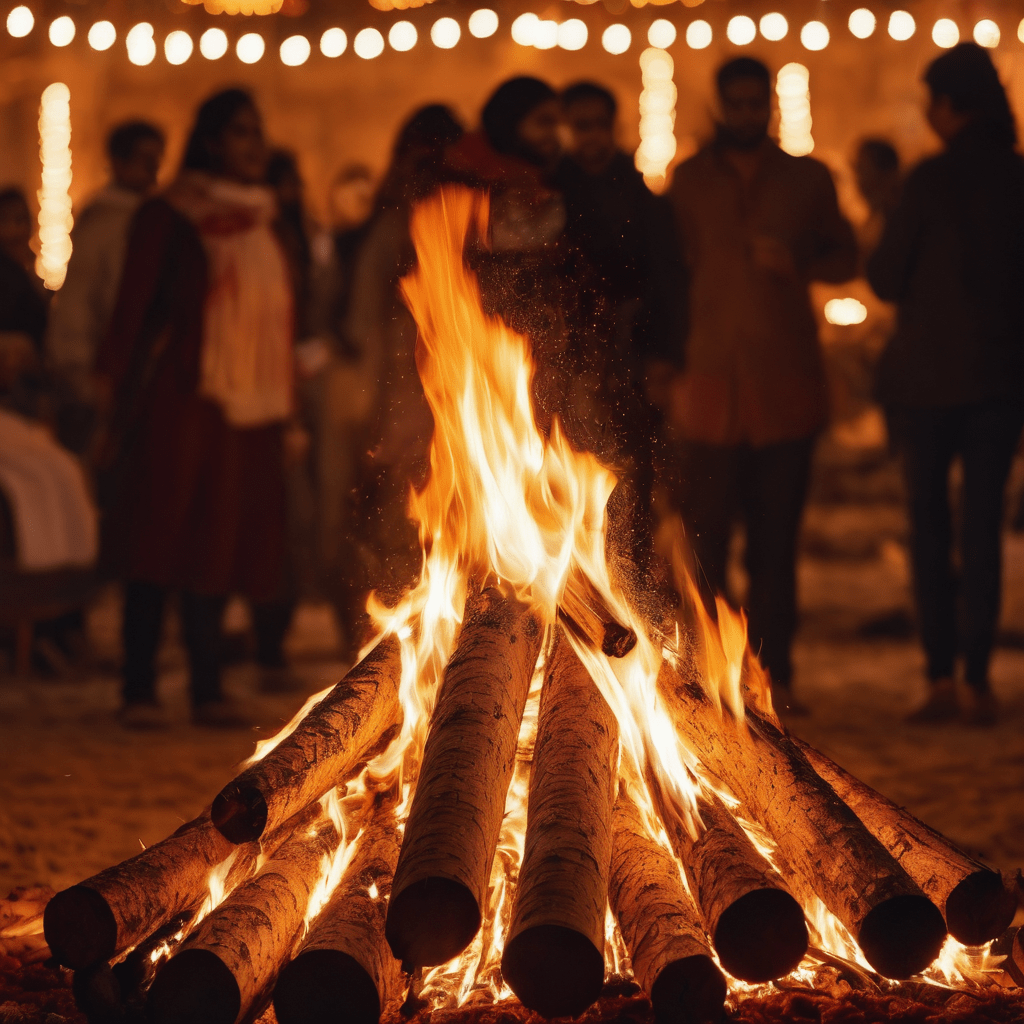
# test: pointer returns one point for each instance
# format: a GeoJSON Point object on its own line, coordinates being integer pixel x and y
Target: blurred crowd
{"type": "Point", "coordinates": [222, 399]}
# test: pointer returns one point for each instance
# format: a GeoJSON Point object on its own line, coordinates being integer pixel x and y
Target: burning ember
{"type": "Point", "coordinates": [526, 784]}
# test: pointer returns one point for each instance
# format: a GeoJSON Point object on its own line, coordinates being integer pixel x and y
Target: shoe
{"type": "Point", "coordinates": [144, 716]}
{"type": "Point", "coordinates": [984, 711]}
{"type": "Point", "coordinates": [220, 714]}
{"type": "Point", "coordinates": [941, 705]}
{"type": "Point", "coordinates": [786, 704]}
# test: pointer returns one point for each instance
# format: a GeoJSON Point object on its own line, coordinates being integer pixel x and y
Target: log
{"type": "Point", "coordinates": [224, 969]}
{"type": "Point", "coordinates": [899, 930]}
{"type": "Point", "coordinates": [756, 925]}
{"type": "Point", "coordinates": [344, 971]}
{"type": "Point", "coordinates": [583, 613]}
{"type": "Point", "coordinates": [672, 961]}
{"type": "Point", "coordinates": [977, 904]}
{"type": "Point", "coordinates": [351, 724]}
{"type": "Point", "coordinates": [444, 868]}
{"type": "Point", "coordinates": [554, 954]}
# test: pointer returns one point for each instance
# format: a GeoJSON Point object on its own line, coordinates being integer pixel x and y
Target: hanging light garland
{"type": "Point", "coordinates": [55, 220]}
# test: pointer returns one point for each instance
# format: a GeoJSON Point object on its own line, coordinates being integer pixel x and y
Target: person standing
{"type": "Point", "coordinates": [952, 258]}
{"type": "Point", "coordinates": [198, 364]}
{"type": "Point", "coordinates": [757, 226]}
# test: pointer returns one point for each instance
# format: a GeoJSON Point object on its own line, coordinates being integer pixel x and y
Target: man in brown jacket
{"type": "Point", "coordinates": [757, 225]}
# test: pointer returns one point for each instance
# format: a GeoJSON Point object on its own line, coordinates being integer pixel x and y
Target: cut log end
{"type": "Point", "coordinates": [618, 640]}
{"type": "Point", "coordinates": [430, 921]}
{"type": "Point", "coordinates": [325, 986]}
{"type": "Point", "coordinates": [80, 928]}
{"type": "Point", "coordinates": [554, 971]}
{"type": "Point", "coordinates": [901, 936]}
{"type": "Point", "coordinates": [239, 813]}
{"type": "Point", "coordinates": [194, 986]}
{"type": "Point", "coordinates": [762, 936]}
{"type": "Point", "coordinates": [689, 991]}
{"type": "Point", "coordinates": [980, 908]}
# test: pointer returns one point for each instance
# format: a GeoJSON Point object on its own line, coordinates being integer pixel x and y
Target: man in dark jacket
{"type": "Point", "coordinates": [952, 257]}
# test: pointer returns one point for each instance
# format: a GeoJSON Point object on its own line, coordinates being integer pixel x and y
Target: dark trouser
{"type": "Point", "coordinates": [984, 436]}
{"type": "Point", "coordinates": [270, 623]}
{"type": "Point", "coordinates": [767, 488]}
{"type": "Point", "coordinates": [201, 617]}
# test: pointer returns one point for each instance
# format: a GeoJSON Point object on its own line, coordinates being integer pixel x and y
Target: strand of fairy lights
{"type": "Point", "coordinates": [792, 87]}
{"type": "Point", "coordinates": [657, 107]}
{"type": "Point", "coordinates": [55, 219]}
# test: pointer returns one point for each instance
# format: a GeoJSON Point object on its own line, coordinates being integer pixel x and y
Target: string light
{"type": "Point", "coordinates": [213, 44]}
{"type": "Point", "coordinates": [20, 22]}
{"type": "Point", "coordinates": [245, 7]}
{"type": "Point", "coordinates": [368, 43]}
{"type": "Point", "coordinates": [945, 33]}
{"type": "Point", "coordinates": [814, 35]}
{"type": "Point", "coordinates": [698, 35]}
{"type": "Point", "coordinates": [774, 27]}
{"type": "Point", "coordinates": [901, 25]}
{"type": "Point", "coordinates": [55, 220]}
{"type": "Point", "coordinates": [845, 312]}
{"type": "Point", "coordinates": [545, 34]}
{"type": "Point", "coordinates": [102, 35]}
{"type": "Point", "coordinates": [741, 30]}
{"type": "Point", "coordinates": [572, 34]}
{"type": "Point", "coordinates": [62, 30]}
{"type": "Point", "coordinates": [445, 33]}
{"type": "Point", "coordinates": [483, 23]}
{"type": "Point", "coordinates": [177, 47]}
{"type": "Point", "coordinates": [524, 29]}
{"type": "Point", "coordinates": [792, 87]}
{"type": "Point", "coordinates": [402, 36]}
{"type": "Point", "coordinates": [657, 117]}
{"type": "Point", "coordinates": [295, 50]}
{"type": "Point", "coordinates": [333, 42]}
{"type": "Point", "coordinates": [986, 33]}
{"type": "Point", "coordinates": [662, 33]}
{"type": "Point", "coordinates": [250, 47]}
{"type": "Point", "coordinates": [862, 23]}
{"type": "Point", "coordinates": [1020, 30]}
{"type": "Point", "coordinates": [616, 39]}
{"type": "Point", "coordinates": [140, 44]}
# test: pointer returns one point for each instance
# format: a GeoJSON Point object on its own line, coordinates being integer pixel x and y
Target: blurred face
{"type": "Point", "coordinates": [947, 122]}
{"type": "Point", "coordinates": [352, 201]}
{"type": "Point", "coordinates": [15, 227]}
{"type": "Point", "coordinates": [592, 128]}
{"type": "Point", "coordinates": [139, 171]}
{"type": "Point", "coordinates": [746, 109]}
{"type": "Point", "coordinates": [538, 133]}
{"type": "Point", "coordinates": [241, 152]}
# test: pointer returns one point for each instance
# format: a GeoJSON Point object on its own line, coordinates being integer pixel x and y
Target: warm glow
{"type": "Point", "coordinates": [333, 42]}
{"type": "Point", "coordinates": [483, 23]}
{"type": "Point", "coordinates": [792, 87]}
{"type": "Point", "coordinates": [698, 35]}
{"type": "Point", "coordinates": [177, 47]}
{"type": "Point", "coordinates": [845, 312]}
{"type": "Point", "coordinates": [445, 33]}
{"type": "Point", "coordinates": [250, 48]}
{"type": "Point", "coordinates": [814, 35]}
{"type": "Point", "coordinates": [657, 117]}
{"type": "Point", "coordinates": [616, 39]}
{"type": "Point", "coordinates": [1020, 30]}
{"type": "Point", "coordinates": [945, 33]}
{"type": "Point", "coordinates": [140, 44]}
{"type": "Point", "coordinates": [20, 22]}
{"type": "Point", "coordinates": [545, 34]}
{"type": "Point", "coordinates": [572, 34]}
{"type": "Point", "coordinates": [662, 33]}
{"type": "Point", "coordinates": [901, 25]}
{"type": "Point", "coordinates": [402, 36]}
{"type": "Point", "coordinates": [741, 30]}
{"type": "Point", "coordinates": [102, 35]}
{"type": "Point", "coordinates": [524, 29]}
{"type": "Point", "coordinates": [862, 23]}
{"type": "Point", "coordinates": [368, 43]}
{"type": "Point", "coordinates": [62, 30]}
{"type": "Point", "coordinates": [55, 219]}
{"type": "Point", "coordinates": [774, 26]}
{"type": "Point", "coordinates": [213, 44]}
{"type": "Point", "coordinates": [295, 50]}
{"type": "Point", "coordinates": [986, 33]}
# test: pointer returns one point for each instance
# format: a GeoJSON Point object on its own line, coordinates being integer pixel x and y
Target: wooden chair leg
{"type": "Point", "coordinates": [23, 635]}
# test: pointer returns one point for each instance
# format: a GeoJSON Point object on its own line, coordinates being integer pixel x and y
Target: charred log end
{"type": "Point", "coordinates": [901, 936]}
{"type": "Point", "coordinates": [194, 986]}
{"type": "Point", "coordinates": [762, 936]}
{"type": "Point", "coordinates": [431, 921]}
{"type": "Point", "coordinates": [555, 971]}
{"type": "Point", "coordinates": [618, 640]}
{"type": "Point", "coordinates": [80, 928]}
{"type": "Point", "coordinates": [689, 991]}
{"type": "Point", "coordinates": [326, 986]}
{"type": "Point", "coordinates": [980, 908]}
{"type": "Point", "coordinates": [98, 995]}
{"type": "Point", "coordinates": [239, 813]}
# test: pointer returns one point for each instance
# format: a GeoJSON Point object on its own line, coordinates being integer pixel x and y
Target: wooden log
{"type": "Point", "coordinates": [899, 930]}
{"type": "Point", "coordinates": [344, 971]}
{"type": "Point", "coordinates": [226, 967]}
{"type": "Point", "coordinates": [554, 954]}
{"type": "Point", "coordinates": [660, 926]}
{"type": "Point", "coordinates": [444, 867]}
{"type": "Point", "coordinates": [583, 613]}
{"type": "Point", "coordinates": [756, 925]}
{"type": "Point", "coordinates": [352, 723]}
{"type": "Point", "coordinates": [977, 904]}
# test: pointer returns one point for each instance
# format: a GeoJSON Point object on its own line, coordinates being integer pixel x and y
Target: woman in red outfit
{"type": "Point", "coordinates": [198, 363]}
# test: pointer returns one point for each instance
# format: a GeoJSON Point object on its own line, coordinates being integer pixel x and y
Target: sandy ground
{"type": "Point", "coordinates": [78, 793]}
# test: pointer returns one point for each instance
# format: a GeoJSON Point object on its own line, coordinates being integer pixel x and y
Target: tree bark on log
{"type": "Point", "coordinates": [554, 954]}
{"type": "Point", "coordinates": [329, 745]}
{"type": "Point", "coordinates": [660, 925]}
{"type": "Point", "coordinates": [978, 905]}
{"type": "Point", "coordinates": [225, 968]}
{"type": "Point", "coordinates": [583, 613]}
{"type": "Point", "coordinates": [344, 971]}
{"type": "Point", "coordinates": [756, 925]}
{"type": "Point", "coordinates": [899, 930]}
{"type": "Point", "coordinates": [444, 868]}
